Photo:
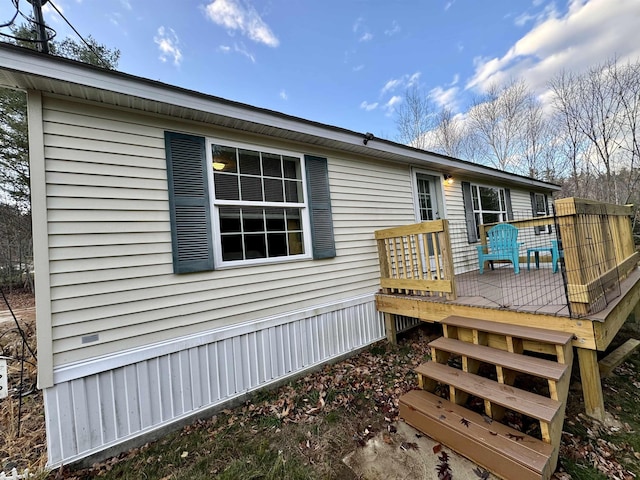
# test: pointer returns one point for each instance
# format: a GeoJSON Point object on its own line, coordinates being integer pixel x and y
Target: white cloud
{"type": "Point", "coordinates": [242, 50]}
{"type": "Point", "coordinates": [224, 48]}
{"type": "Point", "coordinates": [360, 29]}
{"type": "Point", "coordinates": [413, 79]}
{"type": "Point", "coordinates": [395, 28]}
{"type": "Point", "coordinates": [50, 15]}
{"type": "Point", "coordinates": [357, 68]}
{"type": "Point", "coordinates": [405, 81]}
{"type": "Point", "coordinates": [449, 5]}
{"type": "Point", "coordinates": [524, 18]}
{"type": "Point", "coordinates": [549, 11]}
{"type": "Point", "coordinates": [589, 33]}
{"type": "Point", "coordinates": [460, 46]}
{"type": "Point", "coordinates": [235, 15]}
{"type": "Point", "coordinates": [283, 94]}
{"type": "Point", "coordinates": [391, 85]}
{"type": "Point", "coordinates": [126, 4]}
{"type": "Point", "coordinates": [357, 24]}
{"type": "Point", "coordinates": [390, 106]}
{"type": "Point", "coordinates": [368, 106]}
{"type": "Point", "coordinates": [445, 97]}
{"type": "Point", "coordinates": [168, 43]}
{"type": "Point", "coordinates": [456, 79]}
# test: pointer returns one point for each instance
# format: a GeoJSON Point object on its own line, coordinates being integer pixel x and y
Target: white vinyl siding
{"type": "Point", "coordinates": [110, 242]}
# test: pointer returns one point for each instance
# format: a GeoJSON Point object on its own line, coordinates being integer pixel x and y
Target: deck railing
{"type": "Point", "coordinates": [598, 249]}
{"type": "Point", "coordinates": [416, 259]}
{"type": "Point", "coordinates": [595, 246]}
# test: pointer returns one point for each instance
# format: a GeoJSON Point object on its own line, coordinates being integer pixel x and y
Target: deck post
{"type": "Point", "coordinates": [591, 383]}
{"type": "Point", "coordinates": [390, 327]}
{"type": "Point", "coordinates": [636, 313]}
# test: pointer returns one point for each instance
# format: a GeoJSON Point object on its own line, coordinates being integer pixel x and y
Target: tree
{"type": "Point", "coordinates": [15, 206]}
{"type": "Point", "coordinates": [415, 119]}
{"type": "Point", "coordinates": [14, 153]}
{"type": "Point", "coordinates": [600, 110]}
{"type": "Point", "coordinates": [497, 120]}
{"type": "Point", "coordinates": [14, 147]}
{"type": "Point", "coordinates": [449, 136]}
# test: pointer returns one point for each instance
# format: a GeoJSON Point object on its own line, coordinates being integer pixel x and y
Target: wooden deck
{"type": "Point", "coordinates": [592, 333]}
{"type": "Point", "coordinates": [592, 295]}
{"type": "Point", "coordinates": [540, 291]}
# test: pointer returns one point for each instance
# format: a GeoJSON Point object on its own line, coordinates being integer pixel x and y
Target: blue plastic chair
{"type": "Point", "coordinates": [502, 244]}
{"type": "Point", "coordinates": [556, 254]}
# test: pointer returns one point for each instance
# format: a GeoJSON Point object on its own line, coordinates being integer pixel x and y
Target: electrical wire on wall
{"type": "Point", "coordinates": [18, 352]}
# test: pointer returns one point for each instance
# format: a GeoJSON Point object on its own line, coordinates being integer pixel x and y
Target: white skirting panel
{"type": "Point", "coordinates": [90, 409]}
{"type": "Point", "coordinates": [406, 323]}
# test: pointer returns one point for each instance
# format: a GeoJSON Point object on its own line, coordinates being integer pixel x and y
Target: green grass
{"type": "Point", "coordinates": [580, 471]}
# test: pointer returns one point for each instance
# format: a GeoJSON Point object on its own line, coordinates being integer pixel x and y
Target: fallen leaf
{"type": "Point", "coordinates": [437, 448]}
{"type": "Point", "coordinates": [481, 473]}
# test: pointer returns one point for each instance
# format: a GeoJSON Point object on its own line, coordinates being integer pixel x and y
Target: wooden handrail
{"type": "Point", "coordinates": [417, 259]}
{"type": "Point", "coordinates": [597, 241]}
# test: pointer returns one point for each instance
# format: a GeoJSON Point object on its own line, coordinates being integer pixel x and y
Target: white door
{"type": "Point", "coordinates": [427, 208]}
{"type": "Point", "coordinates": [427, 200]}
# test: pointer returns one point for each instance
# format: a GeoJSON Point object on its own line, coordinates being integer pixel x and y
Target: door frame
{"type": "Point", "coordinates": [439, 193]}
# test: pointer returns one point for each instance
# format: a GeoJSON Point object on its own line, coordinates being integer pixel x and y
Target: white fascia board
{"type": "Point", "coordinates": [57, 69]}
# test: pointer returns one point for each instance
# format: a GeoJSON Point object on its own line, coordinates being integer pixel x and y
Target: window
{"type": "Point", "coordinates": [540, 208]}
{"type": "Point", "coordinates": [259, 208]}
{"type": "Point", "coordinates": [235, 204]}
{"type": "Point", "coordinates": [489, 205]}
{"type": "Point", "coordinates": [484, 204]}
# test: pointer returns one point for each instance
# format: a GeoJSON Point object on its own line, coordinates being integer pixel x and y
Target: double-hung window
{"type": "Point", "coordinates": [489, 204]}
{"type": "Point", "coordinates": [540, 208]}
{"type": "Point", "coordinates": [233, 204]}
{"type": "Point", "coordinates": [258, 206]}
{"type": "Point", "coordinates": [484, 204]}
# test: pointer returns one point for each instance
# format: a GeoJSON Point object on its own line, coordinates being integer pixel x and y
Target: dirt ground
{"type": "Point", "coordinates": [23, 441]}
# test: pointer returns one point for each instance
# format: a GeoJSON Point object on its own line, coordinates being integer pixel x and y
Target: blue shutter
{"type": "Point", "coordinates": [320, 207]}
{"type": "Point", "coordinates": [189, 203]}
{"type": "Point", "coordinates": [470, 218]}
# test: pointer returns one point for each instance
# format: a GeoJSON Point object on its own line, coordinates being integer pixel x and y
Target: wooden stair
{"type": "Point", "coordinates": [502, 351]}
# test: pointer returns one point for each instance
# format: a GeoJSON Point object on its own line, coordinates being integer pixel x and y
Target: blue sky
{"type": "Point", "coordinates": [348, 62]}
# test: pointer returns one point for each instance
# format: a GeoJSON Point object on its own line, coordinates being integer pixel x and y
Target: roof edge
{"type": "Point", "coordinates": [32, 63]}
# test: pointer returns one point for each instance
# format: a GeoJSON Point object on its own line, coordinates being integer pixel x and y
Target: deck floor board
{"type": "Point", "coordinates": [535, 290]}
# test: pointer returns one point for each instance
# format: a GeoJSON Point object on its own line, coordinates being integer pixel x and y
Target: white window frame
{"type": "Point", "coordinates": [546, 228]}
{"type": "Point", "coordinates": [219, 263]}
{"type": "Point", "coordinates": [502, 199]}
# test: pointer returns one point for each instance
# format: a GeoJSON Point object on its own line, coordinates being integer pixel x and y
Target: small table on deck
{"type": "Point", "coordinates": [536, 251]}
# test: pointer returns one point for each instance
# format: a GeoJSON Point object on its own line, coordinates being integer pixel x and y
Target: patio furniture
{"type": "Point", "coordinates": [502, 244]}
{"type": "Point", "coordinates": [536, 252]}
{"type": "Point", "coordinates": [556, 254]}
{"type": "Point", "coordinates": [554, 250]}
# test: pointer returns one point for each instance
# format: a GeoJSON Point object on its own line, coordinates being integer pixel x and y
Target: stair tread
{"type": "Point", "coordinates": [495, 446]}
{"type": "Point", "coordinates": [521, 363]}
{"type": "Point", "coordinates": [527, 403]}
{"type": "Point", "coordinates": [519, 331]}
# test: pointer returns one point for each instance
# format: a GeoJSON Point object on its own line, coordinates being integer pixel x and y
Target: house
{"type": "Point", "coordinates": [190, 249]}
